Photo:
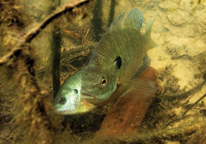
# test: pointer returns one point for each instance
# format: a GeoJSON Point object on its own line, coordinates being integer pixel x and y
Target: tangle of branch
{"type": "Point", "coordinates": [31, 114]}
{"type": "Point", "coordinates": [33, 33]}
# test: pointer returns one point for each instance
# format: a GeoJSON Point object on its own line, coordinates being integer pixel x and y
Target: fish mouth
{"type": "Point", "coordinates": [87, 96]}
{"type": "Point", "coordinates": [66, 112]}
{"type": "Point", "coordinates": [58, 111]}
{"type": "Point", "coordinates": [63, 111]}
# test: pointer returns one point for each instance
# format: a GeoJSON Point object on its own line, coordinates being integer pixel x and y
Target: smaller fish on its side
{"type": "Point", "coordinates": [68, 99]}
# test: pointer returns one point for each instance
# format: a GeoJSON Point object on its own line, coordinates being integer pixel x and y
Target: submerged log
{"type": "Point", "coordinates": [127, 113]}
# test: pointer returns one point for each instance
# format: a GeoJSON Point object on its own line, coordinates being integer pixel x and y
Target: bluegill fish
{"type": "Point", "coordinates": [68, 99]}
{"type": "Point", "coordinates": [120, 55]}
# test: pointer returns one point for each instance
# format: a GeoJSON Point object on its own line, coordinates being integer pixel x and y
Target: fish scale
{"type": "Point", "coordinates": [129, 67]}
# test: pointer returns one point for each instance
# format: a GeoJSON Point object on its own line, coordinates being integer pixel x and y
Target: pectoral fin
{"type": "Point", "coordinates": [143, 87]}
{"type": "Point", "coordinates": [144, 65]}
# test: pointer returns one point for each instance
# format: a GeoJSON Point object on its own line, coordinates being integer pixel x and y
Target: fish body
{"type": "Point", "coordinates": [68, 99]}
{"type": "Point", "coordinates": [117, 58]}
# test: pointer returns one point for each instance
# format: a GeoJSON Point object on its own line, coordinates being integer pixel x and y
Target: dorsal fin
{"type": "Point", "coordinates": [134, 19]}
{"type": "Point", "coordinates": [148, 29]}
{"type": "Point", "coordinates": [116, 24]}
{"type": "Point", "coordinates": [149, 23]}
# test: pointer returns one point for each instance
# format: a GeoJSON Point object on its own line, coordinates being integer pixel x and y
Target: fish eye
{"type": "Point", "coordinates": [76, 91]}
{"type": "Point", "coordinates": [103, 81]}
{"type": "Point", "coordinates": [62, 100]}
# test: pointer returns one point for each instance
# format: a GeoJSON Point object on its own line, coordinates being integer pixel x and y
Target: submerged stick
{"type": "Point", "coordinates": [202, 97]}
{"type": "Point", "coordinates": [112, 10]}
{"type": "Point", "coordinates": [187, 93]}
{"type": "Point", "coordinates": [97, 20]}
{"type": "Point", "coordinates": [56, 52]}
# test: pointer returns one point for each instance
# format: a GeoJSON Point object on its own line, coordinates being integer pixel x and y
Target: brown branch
{"type": "Point", "coordinates": [30, 36]}
{"type": "Point", "coordinates": [33, 33]}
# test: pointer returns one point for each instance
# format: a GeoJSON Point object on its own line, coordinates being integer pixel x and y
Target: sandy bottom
{"type": "Point", "coordinates": [180, 32]}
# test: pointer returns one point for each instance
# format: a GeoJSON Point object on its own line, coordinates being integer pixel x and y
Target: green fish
{"type": "Point", "coordinates": [68, 99]}
{"type": "Point", "coordinates": [120, 55]}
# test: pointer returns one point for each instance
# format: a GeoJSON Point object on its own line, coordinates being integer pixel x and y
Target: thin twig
{"type": "Point", "coordinates": [33, 33]}
{"type": "Point", "coordinates": [74, 68]}
{"type": "Point", "coordinates": [202, 97]}
{"type": "Point", "coordinates": [187, 93]}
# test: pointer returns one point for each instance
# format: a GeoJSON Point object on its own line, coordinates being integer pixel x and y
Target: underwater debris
{"type": "Point", "coordinates": [30, 115]}
{"type": "Point", "coordinates": [97, 20]}
{"type": "Point", "coordinates": [185, 95]}
{"type": "Point", "coordinates": [78, 56]}
{"type": "Point", "coordinates": [199, 137]}
{"type": "Point", "coordinates": [33, 33]}
{"type": "Point", "coordinates": [176, 19]}
{"type": "Point", "coordinates": [168, 6]}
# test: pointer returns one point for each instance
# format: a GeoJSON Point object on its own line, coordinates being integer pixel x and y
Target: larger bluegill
{"type": "Point", "coordinates": [118, 57]}
{"type": "Point", "coordinates": [68, 99]}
